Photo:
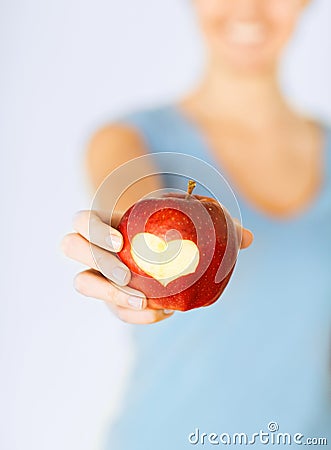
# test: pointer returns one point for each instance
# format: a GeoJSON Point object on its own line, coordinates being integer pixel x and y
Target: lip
{"type": "Point", "coordinates": [245, 33]}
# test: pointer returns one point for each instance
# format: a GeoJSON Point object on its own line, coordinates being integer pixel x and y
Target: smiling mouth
{"type": "Point", "coordinates": [245, 33]}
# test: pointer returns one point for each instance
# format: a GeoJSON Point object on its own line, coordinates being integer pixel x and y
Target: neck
{"type": "Point", "coordinates": [252, 98]}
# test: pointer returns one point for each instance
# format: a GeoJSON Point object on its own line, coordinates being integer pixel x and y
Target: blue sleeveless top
{"type": "Point", "coordinates": [261, 355]}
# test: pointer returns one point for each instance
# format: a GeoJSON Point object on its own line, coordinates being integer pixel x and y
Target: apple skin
{"type": "Point", "coordinates": [212, 231]}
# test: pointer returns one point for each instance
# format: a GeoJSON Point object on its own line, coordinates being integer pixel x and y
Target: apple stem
{"type": "Point", "coordinates": [190, 187]}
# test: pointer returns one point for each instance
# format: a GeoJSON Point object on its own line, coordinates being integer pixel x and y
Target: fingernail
{"type": "Point", "coordinates": [115, 242]}
{"type": "Point", "coordinates": [135, 302]}
{"type": "Point", "coordinates": [168, 311]}
{"type": "Point", "coordinates": [119, 274]}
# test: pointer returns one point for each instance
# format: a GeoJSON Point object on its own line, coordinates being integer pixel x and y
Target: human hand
{"type": "Point", "coordinates": [127, 304]}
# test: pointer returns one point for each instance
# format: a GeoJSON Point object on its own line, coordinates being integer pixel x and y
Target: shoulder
{"type": "Point", "coordinates": [126, 137]}
{"type": "Point", "coordinates": [129, 129]}
{"type": "Point", "coordinates": [113, 136]}
{"type": "Point", "coordinates": [149, 130]}
{"type": "Point", "coordinates": [109, 147]}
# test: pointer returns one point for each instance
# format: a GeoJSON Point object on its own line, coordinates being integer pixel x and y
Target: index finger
{"type": "Point", "coordinates": [90, 225]}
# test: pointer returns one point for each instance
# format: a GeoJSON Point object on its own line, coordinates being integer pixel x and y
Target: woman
{"type": "Point", "coordinates": [262, 353]}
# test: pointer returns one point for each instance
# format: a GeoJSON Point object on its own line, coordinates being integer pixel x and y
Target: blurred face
{"type": "Point", "coordinates": [248, 34]}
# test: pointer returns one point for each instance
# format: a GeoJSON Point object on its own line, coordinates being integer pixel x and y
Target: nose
{"type": "Point", "coordinates": [247, 10]}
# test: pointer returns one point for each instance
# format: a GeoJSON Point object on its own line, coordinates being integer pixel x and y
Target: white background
{"type": "Point", "coordinates": [66, 67]}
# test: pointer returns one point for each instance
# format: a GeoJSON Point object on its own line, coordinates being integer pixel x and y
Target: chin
{"type": "Point", "coordinates": [247, 59]}
{"type": "Point", "coordinates": [250, 66]}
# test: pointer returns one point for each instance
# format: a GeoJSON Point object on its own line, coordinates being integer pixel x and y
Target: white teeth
{"type": "Point", "coordinates": [247, 33]}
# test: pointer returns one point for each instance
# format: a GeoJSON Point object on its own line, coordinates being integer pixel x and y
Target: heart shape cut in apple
{"type": "Point", "coordinates": [162, 260]}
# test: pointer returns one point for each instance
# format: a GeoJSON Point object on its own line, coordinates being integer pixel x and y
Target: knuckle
{"type": "Point", "coordinates": [117, 295]}
{"type": "Point", "coordinates": [111, 294]}
{"type": "Point", "coordinates": [101, 259]}
{"type": "Point", "coordinates": [104, 259]}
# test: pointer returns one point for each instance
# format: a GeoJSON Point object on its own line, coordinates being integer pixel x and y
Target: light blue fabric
{"type": "Point", "coordinates": [261, 353]}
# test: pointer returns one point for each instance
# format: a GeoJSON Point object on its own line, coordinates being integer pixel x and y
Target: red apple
{"type": "Point", "coordinates": [181, 249]}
